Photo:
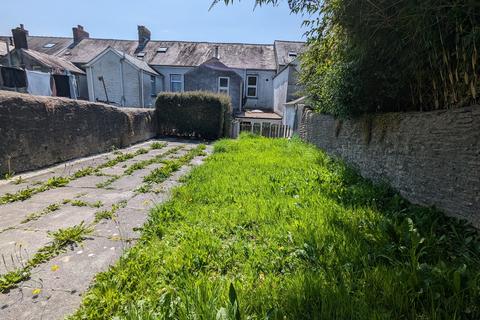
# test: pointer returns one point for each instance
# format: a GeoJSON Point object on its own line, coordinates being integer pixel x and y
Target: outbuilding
{"type": "Point", "coordinates": [115, 77]}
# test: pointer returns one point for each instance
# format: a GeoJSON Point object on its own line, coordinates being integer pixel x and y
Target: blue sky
{"type": "Point", "coordinates": [166, 19]}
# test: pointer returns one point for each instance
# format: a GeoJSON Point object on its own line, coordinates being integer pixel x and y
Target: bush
{"type": "Point", "coordinates": [195, 114]}
{"type": "Point", "coordinates": [382, 56]}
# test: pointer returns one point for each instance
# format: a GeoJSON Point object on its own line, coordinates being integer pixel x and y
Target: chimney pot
{"type": "Point", "coordinates": [20, 37]}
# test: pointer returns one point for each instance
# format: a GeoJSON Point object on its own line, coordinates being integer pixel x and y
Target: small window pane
{"type": "Point", "coordinates": [176, 87]}
{"type": "Point", "coordinates": [223, 82]}
{"type": "Point", "coordinates": [176, 77]}
{"type": "Point", "coordinates": [252, 81]}
{"type": "Point", "coordinates": [252, 92]}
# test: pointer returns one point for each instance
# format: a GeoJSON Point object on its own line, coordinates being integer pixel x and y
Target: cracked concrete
{"type": "Point", "coordinates": [63, 279]}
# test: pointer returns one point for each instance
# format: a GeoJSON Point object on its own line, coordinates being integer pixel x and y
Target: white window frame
{"type": "Point", "coordinates": [153, 84]}
{"type": "Point", "coordinates": [252, 86]}
{"type": "Point", "coordinates": [176, 81]}
{"type": "Point", "coordinates": [227, 88]}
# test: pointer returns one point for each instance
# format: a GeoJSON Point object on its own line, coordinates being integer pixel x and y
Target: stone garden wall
{"type": "Point", "coordinates": [431, 158]}
{"type": "Point", "coordinates": [36, 132]}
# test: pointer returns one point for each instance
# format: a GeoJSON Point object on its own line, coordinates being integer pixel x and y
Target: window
{"type": "Point", "coordinates": [224, 85]}
{"type": "Point", "coordinates": [141, 55]}
{"type": "Point", "coordinates": [292, 54]}
{"type": "Point", "coordinates": [153, 82]}
{"type": "Point", "coordinates": [176, 83]}
{"type": "Point", "coordinates": [49, 45]}
{"type": "Point", "coordinates": [162, 50]}
{"type": "Point", "coordinates": [252, 86]}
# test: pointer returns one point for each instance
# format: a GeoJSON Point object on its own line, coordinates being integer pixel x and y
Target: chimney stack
{"type": "Point", "coordinates": [20, 37]}
{"type": "Point", "coordinates": [79, 34]}
{"type": "Point", "coordinates": [143, 36]}
{"type": "Point", "coordinates": [217, 55]}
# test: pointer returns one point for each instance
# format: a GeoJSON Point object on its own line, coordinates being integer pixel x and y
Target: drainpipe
{"type": "Point", "coordinates": [123, 100]}
{"type": "Point", "coordinates": [91, 85]}
{"type": "Point", "coordinates": [142, 99]}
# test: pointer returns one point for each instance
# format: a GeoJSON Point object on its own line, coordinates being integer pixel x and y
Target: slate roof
{"type": "Point", "coordinates": [3, 48]}
{"type": "Point", "coordinates": [233, 55]}
{"type": "Point", "coordinates": [282, 48]}
{"type": "Point", "coordinates": [52, 61]}
{"type": "Point", "coordinates": [39, 43]}
{"type": "Point", "coordinates": [216, 64]}
{"type": "Point", "coordinates": [179, 53]}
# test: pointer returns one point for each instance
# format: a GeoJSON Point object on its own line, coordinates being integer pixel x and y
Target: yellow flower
{"type": "Point", "coordinates": [54, 268]}
{"type": "Point", "coordinates": [36, 292]}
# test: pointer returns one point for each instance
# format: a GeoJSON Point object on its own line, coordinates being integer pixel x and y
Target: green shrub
{"type": "Point", "coordinates": [382, 56]}
{"type": "Point", "coordinates": [193, 114]}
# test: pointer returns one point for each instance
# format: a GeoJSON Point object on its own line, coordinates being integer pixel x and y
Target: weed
{"type": "Point", "coordinates": [19, 180]}
{"type": "Point", "coordinates": [109, 214]}
{"type": "Point", "coordinates": [82, 203]}
{"type": "Point", "coordinates": [9, 175]}
{"type": "Point", "coordinates": [108, 182]}
{"type": "Point", "coordinates": [37, 215]}
{"type": "Point", "coordinates": [84, 172]}
{"type": "Point", "coordinates": [158, 145]}
{"type": "Point", "coordinates": [72, 235]}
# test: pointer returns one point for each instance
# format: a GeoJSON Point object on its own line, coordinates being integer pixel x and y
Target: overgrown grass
{"type": "Point", "coordinates": [275, 229]}
{"type": "Point", "coordinates": [61, 239]}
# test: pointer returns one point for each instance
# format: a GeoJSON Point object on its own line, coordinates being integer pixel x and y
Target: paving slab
{"type": "Point", "coordinates": [66, 217]}
{"type": "Point", "coordinates": [18, 246]}
{"type": "Point", "coordinates": [63, 279]}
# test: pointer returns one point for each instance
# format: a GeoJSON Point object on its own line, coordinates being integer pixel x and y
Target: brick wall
{"type": "Point", "coordinates": [38, 131]}
{"type": "Point", "coordinates": [431, 158]}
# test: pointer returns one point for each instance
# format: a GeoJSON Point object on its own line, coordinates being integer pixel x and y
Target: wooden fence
{"type": "Point", "coordinates": [265, 129]}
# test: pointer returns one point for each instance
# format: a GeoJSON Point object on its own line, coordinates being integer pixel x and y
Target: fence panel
{"type": "Point", "coordinates": [265, 129]}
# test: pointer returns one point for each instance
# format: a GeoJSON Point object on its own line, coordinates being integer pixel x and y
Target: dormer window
{"type": "Point", "coordinates": [141, 55]}
{"type": "Point", "coordinates": [162, 50]}
{"type": "Point", "coordinates": [49, 45]}
{"type": "Point", "coordinates": [292, 54]}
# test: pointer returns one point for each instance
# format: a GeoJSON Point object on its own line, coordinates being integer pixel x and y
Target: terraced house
{"type": "Point", "coordinates": [259, 78]}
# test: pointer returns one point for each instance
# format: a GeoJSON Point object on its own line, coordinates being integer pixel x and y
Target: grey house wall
{"type": "Point", "coordinates": [286, 88]}
{"type": "Point", "coordinates": [166, 71]}
{"type": "Point", "coordinates": [265, 84]}
{"type": "Point", "coordinates": [431, 158]}
{"type": "Point", "coordinates": [280, 91]}
{"type": "Point", "coordinates": [122, 80]}
{"type": "Point", "coordinates": [206, 79]}
{"type": "Point", "coordinates": [264, 100]}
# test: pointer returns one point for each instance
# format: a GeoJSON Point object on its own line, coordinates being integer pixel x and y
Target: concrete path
{"type": "Point", "coordinates": [54, 288]}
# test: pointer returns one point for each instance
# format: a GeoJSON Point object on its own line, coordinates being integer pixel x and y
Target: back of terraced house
{"type": "Point", "coordinates": [259, 78]}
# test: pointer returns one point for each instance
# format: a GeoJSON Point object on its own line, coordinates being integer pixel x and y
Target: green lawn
{"type": "Point", "coordinates": [275, 229]}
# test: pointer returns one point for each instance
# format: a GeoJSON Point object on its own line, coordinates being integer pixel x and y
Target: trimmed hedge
{"type": "Point", "coordinates": [196, 114]}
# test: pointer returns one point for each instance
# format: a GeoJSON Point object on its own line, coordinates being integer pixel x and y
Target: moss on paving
{"type": "Point", "coordinates": [275, 229]}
